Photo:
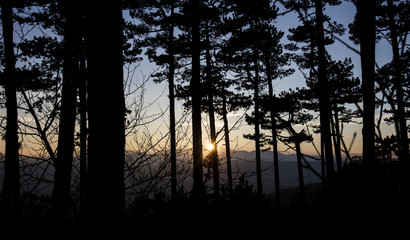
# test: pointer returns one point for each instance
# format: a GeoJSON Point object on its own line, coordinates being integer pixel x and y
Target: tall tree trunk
{"type": "Point", "coordinates": [171, 89]}
{"type": "Point", "coordinates": [82, 92]}
{"type": "Point", "coordinates": [227, 144]}
{"type": "Point", "coordinates": [11, 183]}
{"type": "Point", "coordinates": [214, 151]}
{"type": "Point", "coordinates": [273, 130]}
{"type": "Point", "coordinates": [324, 99]}
{"type": "Point", "coordinates": [257, 128]}
{"type": "Point", "coordinates": [106, 112]}
{"type": "Point", "coordinates": [64, 161]}
{"type": "Point", "coordinates": [398, 80]}
{"type": "Point", "coordinates": [367, 35]}
{"type": "Point", "coordinates": [195, 87]}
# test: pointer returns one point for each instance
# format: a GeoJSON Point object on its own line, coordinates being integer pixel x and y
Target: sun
{"type": "Point", "coordinates": [210, 147]}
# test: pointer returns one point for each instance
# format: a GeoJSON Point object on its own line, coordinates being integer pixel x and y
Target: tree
{"type": "Point", "coordinates": [248, 24]}
{"type": "Point", "coordinates": [344, 89]}
{"type": "Point", "coordinates": [230, 99]}
{"type": "Point", "coordinates": [291, 111]}
{"type": "Point", "coordinates": [313, 58]}
{"type": "Point", "coordinates": [367, 35]}
{"type": "Point", "coordinates": [71, 72]}
{"type": "Point", "coordinates": [195, 91]}
{"type": "Point", "coordinates": [324, 99]}
{"type": "Point", "coordinates": [394, 28]}
{"type": "Point", "coordinates": [211, 30]}
{"type": "Point", "coordinates": [106, 140]}
{"type": "Point", "coordinates": [160, 17]}
{"type": "Point", "coordinates": [275, 60]}
{"type": "Point", "coordinates": [11, 185]}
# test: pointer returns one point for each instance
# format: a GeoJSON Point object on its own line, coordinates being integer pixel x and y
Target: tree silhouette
{"type": "Point", "coordinates": [212, 15]}
{"type": "Point", "coordinates": [112, 170]}
{"type": "Point", "coordinates": [393, 18]}
{"type": "Point", "coordinates": [324, 98]}
{"type": "Point", "coordinates": [164, 38]}
{"type": "Point", "coordinates": [275, 61]}
{"type": "Point", "coordinates": [311, 39]}
{"type": "Point", "coordinates": [106, 145]}
{"type": "Point", "coordinates": [367, 35]}
{"type": "Point", "coordinates": [288, 116]}
{"type": "Point", "coordinates": [343, 89]}
{"type": "Point", "coordinates": [195, 91]}
{"type": "Point", "coordinates": [11, 186]}
{"type": "Point", "coordinates": [249, 23]}
{"type": "Point", "coordinates": [71, 73]}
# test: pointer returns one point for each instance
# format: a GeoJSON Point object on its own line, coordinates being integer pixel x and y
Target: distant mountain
{"type": "Point", "coordinates": [243, 162]}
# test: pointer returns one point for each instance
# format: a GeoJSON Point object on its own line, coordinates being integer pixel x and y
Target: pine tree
{"type": "Point", "coordinates": [367, 35]}
{"type": "Point", "coordinates": [11, 185]}
{"type": "Point", "coordinates": [291, 111]}
{"type": "Point", "coordinates": [195, 91]}
{"type": "Point", "coordinates": [106, 141]}
{"type": "Point", "coordinates": [248, 24]}
{"type": "Point", "coordinates": [160, 17]}
{"type": "Point", "coordinates": [324, 98]}
{"type": "Point", "coordinates": [64, 161]}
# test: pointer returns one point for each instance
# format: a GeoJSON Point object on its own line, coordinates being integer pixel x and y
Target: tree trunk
{"type": "Point", "coordinates": [257, 130]}
{"type": "Point", "coordinates": [367, 35]}
{"type": "Point", "coordinates": [300, 173]}
{"type": "Point", "coordinates": [336, 139]}
{"type": "Point", "coordinates": [11, 183]}
{"type": "Point", "coordinates": [227, 144]}
{"type": "Point", "coordinates": [171, 89]}
{"type": "Point", "coordinates": [82, 88]}
{"type": "Point", "coordinates": [398, 80]}
{"type": "Point", "coordinates": [297, 142]}
{"type": "Point", "coordinates": [324, 99]}
{"type": "Point", "coordinates": [273, 130]}
{"type": "Point", "coordinates": [195, 87]}
{"type": "Point", "coordinates": [214, 151]}
{"type": "Point", "coordinates": [106, 112]}
{"type": "Point", "coordinates": [64, 161]}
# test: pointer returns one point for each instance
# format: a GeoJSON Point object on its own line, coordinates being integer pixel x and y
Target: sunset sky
{"type": "Point", "coordinates": [156, 100]}
{"type": "Point", "coordinates": [343, 14]}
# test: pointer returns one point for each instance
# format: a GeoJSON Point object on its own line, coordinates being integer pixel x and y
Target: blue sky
{"type": "Point", "coordinates": [343, 14]}
{"type": "Point", "coordinates": [156, 95]}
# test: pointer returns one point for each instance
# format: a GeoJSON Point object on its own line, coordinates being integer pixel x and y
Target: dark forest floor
{"type": "Point", "coordinates": [358, 204]}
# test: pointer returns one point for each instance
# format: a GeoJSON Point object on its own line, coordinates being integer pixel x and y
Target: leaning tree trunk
{"type": "Point", "coordinates": [227, 144]}
{"type": "Point", "coordinates": [64, 161]}
{"type": "Point", "coordinates": [11, 183]}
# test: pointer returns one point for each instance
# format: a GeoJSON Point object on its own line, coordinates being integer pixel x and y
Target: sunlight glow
{"type": "Point", "coordinates": [210, 147]}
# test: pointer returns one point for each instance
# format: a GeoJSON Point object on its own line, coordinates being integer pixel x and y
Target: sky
{"type": "Point", "coordinates": [156, 101]}
{"type": "Point", "coordinates": [343, 14]}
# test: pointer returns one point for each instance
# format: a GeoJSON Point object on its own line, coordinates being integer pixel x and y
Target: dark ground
{"type": "Point", "coordinates": [357, 204]}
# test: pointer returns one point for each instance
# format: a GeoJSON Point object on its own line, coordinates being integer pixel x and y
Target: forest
{"type": "Point", "coordinates": [83, 154]}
